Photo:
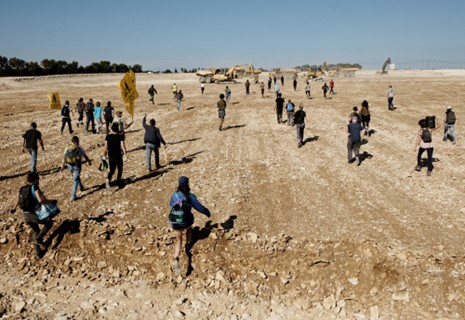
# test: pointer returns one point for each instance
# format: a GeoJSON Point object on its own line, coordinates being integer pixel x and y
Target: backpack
{"type": "Point", "coordinates": [72, 154]}
{"type": "Point", "coordinates": [65, 112]}
{"type": "Point", "coordinates": [426, 136]}
{"type": "Point", "coordinates": [450, 117]}
{"type": "Point", "coordinates": [180, 211]}
{"type": "Point", "coordinates": [26, 199]}
{"type": "Point", "coordinates": [290, 107]}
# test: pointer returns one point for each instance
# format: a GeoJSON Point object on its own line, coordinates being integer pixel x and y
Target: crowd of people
{"type": "Point", "coordinates": [182, 201]}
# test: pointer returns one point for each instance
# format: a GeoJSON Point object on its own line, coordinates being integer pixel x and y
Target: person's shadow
{"type": "Point", "coordinates": [199, 234]}
{"type": "Point", "coordinates": [67, 226]}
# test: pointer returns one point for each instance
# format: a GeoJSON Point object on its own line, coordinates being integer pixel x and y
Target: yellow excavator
{"type": "Point", "coordinates": [230, 75]}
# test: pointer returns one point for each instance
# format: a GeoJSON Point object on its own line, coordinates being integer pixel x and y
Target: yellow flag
{"type": "Point", "coordinates": [54, 99]}
{"type": "Point", "coordinates": [130, 108]}
{"type": "Point", "coordinates": [127, 87]}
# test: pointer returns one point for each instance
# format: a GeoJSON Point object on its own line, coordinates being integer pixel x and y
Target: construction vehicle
{"type": "Point", "coordinates": [220, 76]}
{"type": "Point", "coordinates": [315, 74]}
{"type": "Point", "coordinates": [383, 70]}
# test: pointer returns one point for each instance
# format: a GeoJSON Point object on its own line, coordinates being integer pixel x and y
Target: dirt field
{"type": "Point", "coordinates": [295, 233]}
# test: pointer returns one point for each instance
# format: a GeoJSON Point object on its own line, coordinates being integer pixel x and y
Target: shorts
{"type": "Point", "coordinates": [180, 227]}
{"type": "Point", "coordinates": [221, 114]}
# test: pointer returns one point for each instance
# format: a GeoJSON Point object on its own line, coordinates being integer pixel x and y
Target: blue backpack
{"type": "Point", "coordinates": [290, 107]}
{"type": "Point", "coordinates": [179, 211]}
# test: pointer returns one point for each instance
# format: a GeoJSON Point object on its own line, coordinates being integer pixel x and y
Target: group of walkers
{"type": "Point", "coordinates": [182, 201]}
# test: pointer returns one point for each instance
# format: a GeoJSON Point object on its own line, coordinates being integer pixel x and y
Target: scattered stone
{"type": "Point", "coordinates": [19, 306]}
{"type": "Point", "coordinates": [401, 297]}
{"type": "Point", "coordinates": [354, 281]}
{"type": "Point", "coordinates": [374, 313]}
{"type": "Point", "coordinates": [3, 240]}
{"type": "Point", "coordinates": [160, 276]}
{"type": "Point", "coordinates": [329, 303]}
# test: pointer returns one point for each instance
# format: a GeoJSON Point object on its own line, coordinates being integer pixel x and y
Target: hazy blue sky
{"type": "Point", "coordinates": [203, 33]}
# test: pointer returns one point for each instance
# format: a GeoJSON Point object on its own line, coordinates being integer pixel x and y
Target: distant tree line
{"type": "Point", "coordinates": [18, 67]}
{"type": "Point", "coordinates": [183, 70]}
{"type": "Point", "coordinates": [330, 66]}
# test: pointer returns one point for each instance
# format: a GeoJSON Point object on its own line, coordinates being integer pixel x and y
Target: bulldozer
{"type": "Point", "coordinates": [289, 73]}
{"type": "Point", "coordinates": [315, 74]}
{"type": "Point", "coordinates": [235, 72]}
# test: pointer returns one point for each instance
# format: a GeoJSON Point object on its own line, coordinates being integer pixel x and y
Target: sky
{"type": "Point", "coordinates": [159, 35]}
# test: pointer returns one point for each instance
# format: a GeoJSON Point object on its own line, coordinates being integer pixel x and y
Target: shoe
{"type": "Point", "coordinates": [175, 267]}
{"type": "Point", "coordinates": [418, 168]}
{"type": "Point", "coordinates": [300, 144]}
{"type": "Point", "coordinates": [357, 158]}
{"type": "Point", "coordinates": [107, 184]}
{"type": "Point", "coordinates": [428, 173]}
{"type": "Point", "coordinates": [351, 160]}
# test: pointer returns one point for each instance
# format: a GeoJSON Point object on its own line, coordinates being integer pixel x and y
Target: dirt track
{"type": "Point", "coordinates": [295, 233]}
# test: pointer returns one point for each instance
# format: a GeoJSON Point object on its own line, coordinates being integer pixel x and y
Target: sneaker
{"type": "Point", "coordinates": [418, 168]}
{"type": "Point", "coordinates": [428, 173]}
{"type": "Point", "coordinates": [300, 144]}
{"type": "Point", "coordinates": [358, 160]}
{"type": "Point", "coordinates": [107, 184]}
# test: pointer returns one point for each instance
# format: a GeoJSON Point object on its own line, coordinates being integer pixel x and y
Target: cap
{"type": "Point", "coordinates": [183, 181]}
{"type": "Point", "coordinates": [449, 107]}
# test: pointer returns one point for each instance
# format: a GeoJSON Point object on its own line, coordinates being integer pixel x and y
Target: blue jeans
{"type": "Point", "coordinates": [450, 127]}
{"type": "Point", "coordinates": [179, 105]}
{"type": "Point", "coordinates": [149, 147]}
{"type": "Point", "coordinates": [33, 153]}
{"type": "Point", "coordinates": [76, 171]}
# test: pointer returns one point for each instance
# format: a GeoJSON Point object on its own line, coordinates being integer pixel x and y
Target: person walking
{"type": "Point", "coordinates": [390, 98]}
{"type": "Point", "coordinates": [269, 83]}
{"type": "Point", "coordinates": [221, 105]}
{"type": "Point", "coordinates": [424, 142]}
{"type": "Point", "coordinates": [279, 108]}
{"type": "Point", "coordinates": [122, 126]}
{"type": "Point", "coordinates": [449, 123]}
{"type": "Point", "coordinates": [152, 92]}
{"type": "Point", "coordinates": [30, 139]}
{"type": "Point", "coordinates": [66, 117]}
{"type": "Point", "coordinates": [108, 114]}
{"type": "Point", "coordinates": [355, 113]}
{"type": "Point", "coordinates": [202, 88]}
{"type": "Point", "coordinates": [80, 105]}
{"type": "Point", "coordinates": [365, 115]}
{"type": "Point", "coordinates": [153, 141]}
{"type": "Point", "coordinates": [262, 89]}
{"type": "Point", "coordinates": [179, 97]}
{"type": "Point", "coordinates": [181, 218]}
{"type": "Point", "coordinates": [72, 159]}
{"type": "Point", "coordinates": [114, 151]}
{"type": "Point", "coordinates": [276, 89]}
{"type": "Point", "coordinates": [228, 94]}
{"type": "Point", "coordinates": [282, 80]}
{"type": "Point", "coordinates": [174, 90]}
{"type": "Point", "coordinates": [98, 116]}
{"type": "Point", "coordinates": [89, 111]}
{"type": "Point", "coordinates": [30, 218]}
{"type": "Point", "coordinates": [354, 141]}
{"type": "Point", "coordinates": [294, 84]}
{"type": "Point", "coordinates": [299, 121]}
{"type": "Point", "coordinates": [290, 107]}
{"type": "Point", "coordinates": [274, 79]}
{"type": "Point", "coordinates": [325, 89]}
{"type": "Point", "coordinates": [247, 87]}
{"type": "Point", "coordinates": [331, 86]}
{"type": "Point", "coordinates": [307, 91]}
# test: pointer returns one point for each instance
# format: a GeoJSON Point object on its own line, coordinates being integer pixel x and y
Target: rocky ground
{"type": "Point", "coordinates": [295, 233]}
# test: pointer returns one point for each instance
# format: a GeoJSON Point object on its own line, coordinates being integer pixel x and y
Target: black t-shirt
{"type": "Point", "coordinates": [114, 146]}
{"type": "Point", "coordinates": [299, 117]}
{"type": "Point", "coordinates": [280, 103]}
{"type": "Point", "coordinates": [31, 136]}
{"type": "Point", "coordinates": [108, 112]}
{"type": "Point", "coordinates": [65, 112]}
